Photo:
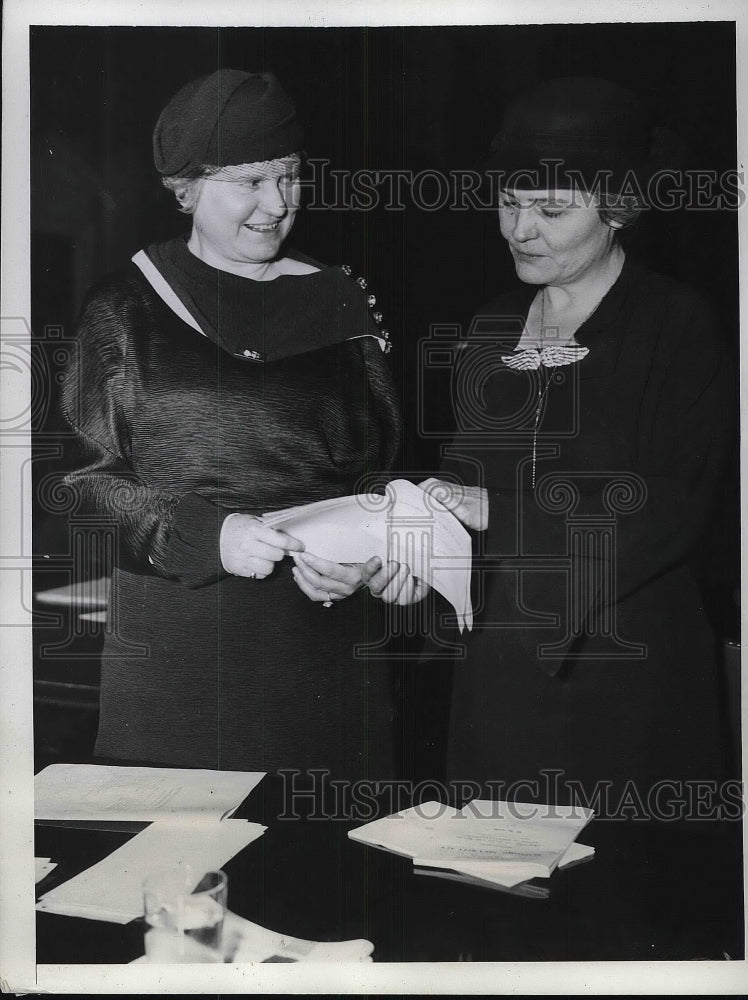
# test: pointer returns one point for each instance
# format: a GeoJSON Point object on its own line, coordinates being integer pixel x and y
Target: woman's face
{"type": "Point", "coordinates": [238, 222]}
{"type": "Point", "coordinates": [554, 236]}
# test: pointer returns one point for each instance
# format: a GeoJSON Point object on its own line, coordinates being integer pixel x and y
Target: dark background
{"type": "Point", "coordinates": [377, 98]}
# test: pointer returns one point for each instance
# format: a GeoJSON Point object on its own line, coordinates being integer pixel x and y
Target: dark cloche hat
{"type": "Point", "coordinates": [226, 118]}
{"type": "Point", "coordinates": [598, 131]}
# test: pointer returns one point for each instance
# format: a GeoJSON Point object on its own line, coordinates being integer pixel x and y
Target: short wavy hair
{"type": "Point", "coordinates": [185, 188]}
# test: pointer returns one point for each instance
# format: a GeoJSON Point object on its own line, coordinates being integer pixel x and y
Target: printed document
{"type": "Point", "coordinates": [112, 889]}
{"type": "Point", "coordinates": [90, 792]}
{"type": "Point", "coordinates": [505, 842]}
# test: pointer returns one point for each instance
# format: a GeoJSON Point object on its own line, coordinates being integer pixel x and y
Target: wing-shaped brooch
{"type": "Point", "coordinates": [550, 356]}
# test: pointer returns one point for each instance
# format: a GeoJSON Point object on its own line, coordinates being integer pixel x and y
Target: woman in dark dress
{"type": "Point", "coordinates": [216, 379]}
{"type": "Point", "coordinates": [593, 415]}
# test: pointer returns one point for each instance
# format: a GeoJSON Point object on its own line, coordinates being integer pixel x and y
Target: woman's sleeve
{"type": "Point", "coordinates": [686, 429]}
{"type": "Point", "coordinates": [386, 401]}
{"type": "Point", "coordinates": [161, 532]}
{"type": "Point", "coordinates": [362, 324]}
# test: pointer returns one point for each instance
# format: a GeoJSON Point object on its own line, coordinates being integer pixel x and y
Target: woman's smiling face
{"type": "Point", "coordinates": [555, 237]}
{"type": "Point", "coordinates": [238, 222]}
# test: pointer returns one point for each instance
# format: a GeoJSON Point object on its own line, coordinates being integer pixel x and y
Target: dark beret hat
{"type": "Point", "coordinates": [226, 118]}
{"type": "Point", "coordinates": [572, 132]}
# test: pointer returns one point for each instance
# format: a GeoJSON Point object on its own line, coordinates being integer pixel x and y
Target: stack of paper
{"type": "Point", "coordinates": [187, 813]}
{"type": "Point", "coordinates": [406, 525]}
{"type": "Point", "coordinates": [487, 842]}
{"type": "Point", "coordinates": [90, 792]}
{"type": "Point", "coordinates": [112, 889]}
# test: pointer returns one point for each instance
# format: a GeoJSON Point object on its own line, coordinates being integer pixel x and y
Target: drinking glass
{"type": "Point", "coordinates": [184, 911]}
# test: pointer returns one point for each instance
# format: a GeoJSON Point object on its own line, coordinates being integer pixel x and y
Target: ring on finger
{"type": "Point", "coordinates": [328, 602]}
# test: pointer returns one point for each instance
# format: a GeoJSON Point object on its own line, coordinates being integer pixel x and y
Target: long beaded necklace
{"type": "Point", "coordinates": [545, 377]}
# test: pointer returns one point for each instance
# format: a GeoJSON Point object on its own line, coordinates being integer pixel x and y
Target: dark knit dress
{"type": "Point", "coordinates": [592, 663]}
{"type": "Point", "coordinates": [275, 406]}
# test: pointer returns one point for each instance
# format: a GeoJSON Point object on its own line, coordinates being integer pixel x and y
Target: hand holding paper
{"type": "Point", "coordinates": [394, 583]}
{"type": "Point", "coordinates": [250, 548]}
{"type": "Point", "coordinates": [469, 504]}
{"type": "Point", "coordinates": [405, 526]}
{"type": "Point", "coordinates": [324, 580]}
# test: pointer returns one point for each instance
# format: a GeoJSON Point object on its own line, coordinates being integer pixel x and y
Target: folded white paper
{"type": "Point", "coordinates": [244, 941]}
{"type": "Point", "coordinates": [406, 525]}
{"type": "Point", "coordinates": [112, 889]}
{"type": "Point", "coordinates": [90, 792]}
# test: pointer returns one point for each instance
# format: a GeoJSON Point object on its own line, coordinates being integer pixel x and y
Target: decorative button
{"type": "Point", "coordinates": [387, 347]}
{"type": "Point", "coordinates": [385, 334]}
{"type": "Point", "coordinates": [361, 282]}
{"type": "Point", "coordinates": [378, 317]}
{"type": "Point", "coordinates": [372, 300]}
{"type": "Point", "coordinates": [345, 268]}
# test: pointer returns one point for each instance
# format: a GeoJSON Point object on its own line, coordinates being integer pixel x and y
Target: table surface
{"type": "Point", "coordinates": [651, 892]}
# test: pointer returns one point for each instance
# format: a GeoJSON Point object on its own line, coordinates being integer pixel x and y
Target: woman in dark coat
{"type": "Point", "coordinates": [593, 415]}
{"type": "Point", "coordinates": [218, 378]}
